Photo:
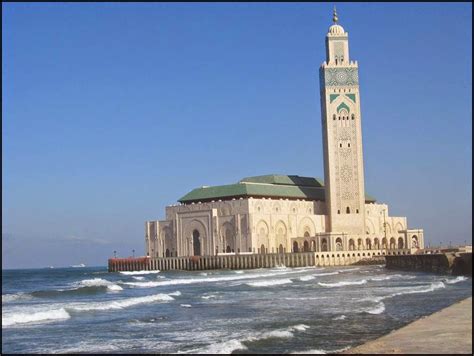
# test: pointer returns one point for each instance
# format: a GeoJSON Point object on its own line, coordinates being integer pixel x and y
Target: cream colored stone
{"type": "Point", "coordinates": [343, 223]}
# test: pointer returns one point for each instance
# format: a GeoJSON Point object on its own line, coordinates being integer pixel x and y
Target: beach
{"type": "Point", "coordinates": [448, 331]}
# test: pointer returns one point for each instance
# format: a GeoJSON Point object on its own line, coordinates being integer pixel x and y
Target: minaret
{"type": "Point", "coordinates": [342, 135]}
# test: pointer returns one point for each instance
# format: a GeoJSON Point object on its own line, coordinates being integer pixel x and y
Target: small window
{"type": "Point", "coordinates": [339, 118]}
{"type": "Point", "coordinates": [352, 116]}
{"type": "Point", "coordinates": [338, 211]}
{"type": "Point", "coordinates": [357, 211]}
{"type": "Point", "coordinates": [348, 145]}
{"type": "Point", "coordinates": [334, 117]}
{"type": "Point", "coordinates": [348, 211]}
{"type": "Point", "coordinates": [340, 145]}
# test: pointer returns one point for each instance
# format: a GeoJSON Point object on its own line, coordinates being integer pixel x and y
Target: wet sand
{"type": "Point", "coordinates": [446, 331]}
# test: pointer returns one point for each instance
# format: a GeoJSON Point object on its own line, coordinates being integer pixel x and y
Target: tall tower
{"type": "Point", "coordinates": [342, 135]}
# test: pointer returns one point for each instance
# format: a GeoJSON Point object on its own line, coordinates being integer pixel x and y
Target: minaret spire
{"type": "Point", "coordinates": [334, 16]}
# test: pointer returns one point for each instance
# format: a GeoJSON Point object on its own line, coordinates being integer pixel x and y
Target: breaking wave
{"type": "Point", "coordinates": [98, 282]}
{"type": "Point", "coordinates": [410, 290]}
{"type": "Point", "coordinates": [185, 305]}
{"type": "Point", "coordinates": [138, 278]}
{"type": "Point", "coordinates": [153, 284]}
{"type": "Point", "coordinates": [306, 278]}
{"type": "Point", "coordinates": [340, 317]}
{"type": "Point", "coordinates": [7, 298]}
{"type": "Point", "coordinates": [64, 312]}
{"type": "Point", "coordinates": [378, 309]}
{"type": "Point", "coordinates": [268, 283]}
{"type": "Point", "coordinates": [227, 347]}
{"type": "Point", "coordinates": [325, 274]}
{"type": "Point", "coordinates": [133, 273]}
{"type": "Point", "coordinates": [343, 283]}
{"type": "Point", "coordinates": [456, 280]}
{"type": "Point", "coordinates": [42, 316]}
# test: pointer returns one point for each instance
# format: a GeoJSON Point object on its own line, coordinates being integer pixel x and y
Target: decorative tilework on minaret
{"type": "Point", "coordinates": [342, 135]}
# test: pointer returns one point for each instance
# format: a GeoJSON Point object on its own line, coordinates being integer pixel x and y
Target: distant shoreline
{"type": "Point", "coordinates": [448, 330]}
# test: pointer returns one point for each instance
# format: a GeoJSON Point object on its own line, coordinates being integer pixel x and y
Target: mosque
{"type": "Point", "coordinates": [288, 213]}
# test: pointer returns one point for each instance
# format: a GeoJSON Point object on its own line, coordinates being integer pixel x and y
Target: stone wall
{"type": "Point", "coordinates": [446, 263]}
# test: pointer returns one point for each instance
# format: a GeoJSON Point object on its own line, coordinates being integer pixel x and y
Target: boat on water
{"type": "Point", "coordinates": [79, 265]}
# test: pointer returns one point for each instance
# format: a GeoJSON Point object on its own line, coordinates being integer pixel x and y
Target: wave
{"type": "Point", "coordinates": [343, 283]}
{"type": "Point", "coordinates": [306, 278]}
{"type": "Point", "coordinates": [42, 316]}
{"type": "Point", "coordinates": [268, 283]}
{"type": "Point", "coordinates": [456, 280]}
{"type": "Point", "coordinates": [378, 309]}
{"type": "Point", "coordinates": [208, 296]}
{"type": "Point", "coordinates": [138, 278]}
{"type": "Point", "coordinates": [325, 274]}
{"type": "Point", "coordinates": [153, 284]}
{"type": "Point", "coordinates": [185, 305]}
{"type": "Point", "coordinates": [7, 298]}
{"type": "Point", "coordinates": [98, 282]}
{"type": "Point", "coordinates": [238, 272]}
{"type": "Point", "coordinates": [410, 290]}
{"type": "Point", "coordinates": [124, 303]}
{"type": "Point", "coordinates": [322, 352]}
{"type": "Point", "coordinates": [398, 276]}
{"type": "Point", "coordinates": [133, 273]}
{"type": "Point", "coordinates": [175, 294]}
{"type": "Point", "coordinates": [340, 317]}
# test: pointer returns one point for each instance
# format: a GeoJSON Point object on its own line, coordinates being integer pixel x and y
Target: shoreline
{"type": "Point", "coordinates": [448, 330]}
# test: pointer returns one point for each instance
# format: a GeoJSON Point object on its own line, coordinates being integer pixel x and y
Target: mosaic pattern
{"type": "Point", "coordinates": [340, 77]}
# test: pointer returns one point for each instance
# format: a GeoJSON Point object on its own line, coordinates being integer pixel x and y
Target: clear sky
{"type": "Point", "coordinates": [111, 111]}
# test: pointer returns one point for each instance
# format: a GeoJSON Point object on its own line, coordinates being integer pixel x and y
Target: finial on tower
{"type": "Point", "coordinates": [334, 16]}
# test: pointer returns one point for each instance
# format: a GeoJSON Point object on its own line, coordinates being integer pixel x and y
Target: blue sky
{"type": "Point", "coordinates": [112, 111]}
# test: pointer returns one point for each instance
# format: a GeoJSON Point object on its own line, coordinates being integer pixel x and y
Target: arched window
{"type": "Point", "coordinates": [348, 211]}
{"type": "Point", "coordinates": [351, 245]}
{"type": "Point", "coordinates": [400, 243]}
{"type": "Point", "coordinates": [348, 145]}
{"type": "Point", "coordinates": [334, 117]}
{"type": "Point", "coordinates": [338, 211]}
{"type": "Point", "coordinates": [352, 116]}
{"type": "Point", "coordinates": [280, 249]}
{"type": "Point", "coordinates": [340, 145]}
{"type": "Point", "coordinates": [338, 244]}
{"type": "Point", "coordinates": [262, 249]}
{"type": "Point", "coordinates": [324, 245]}
{"type": "Point", "coordinates": [357, 211]}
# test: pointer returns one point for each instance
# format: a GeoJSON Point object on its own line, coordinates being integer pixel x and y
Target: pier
{"type": "Point", "coordinates": [248, 261]}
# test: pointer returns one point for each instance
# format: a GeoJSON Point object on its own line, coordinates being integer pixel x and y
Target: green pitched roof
{"type": "Point", "coordinates": [270, 186]}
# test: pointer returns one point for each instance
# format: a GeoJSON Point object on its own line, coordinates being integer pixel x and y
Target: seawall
{"type": "Point", "coordinates": [250, 261]}
{"type": "Point", "coordinates": [455, 263]}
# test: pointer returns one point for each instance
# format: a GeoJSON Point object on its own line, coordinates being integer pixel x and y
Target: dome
{"type": "Point", "coordinates": [336, 29]}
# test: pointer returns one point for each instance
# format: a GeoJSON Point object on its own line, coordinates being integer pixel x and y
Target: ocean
{"type": "Point", "coordinates": [279, 310]}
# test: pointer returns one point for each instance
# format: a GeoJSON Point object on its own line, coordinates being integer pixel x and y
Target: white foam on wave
{"type": "Point", "coordinates": [42, 316]}
{"type": "Point", "coordinates": [132, 273]}
{"type": "Point", "coordinates": [343, 283]}
{"type": "Point", "coordinates": [387, 277]}
{"type": "Point", "coordinates": [138, 278]}
{"type": "Point", "coordinates": [124, 303]}
{"type": "Point", "coordinates": [227, 347]}
{"type": "Point", "coordinates": [340, 317]}
{"type": "Point", "coordinates": [185, 305]}
{"type": "Point", "coordinates": [378, 309]}
{"type": "Point", "coordinates": [239, 272]}
{"type": "Point", "coordinates": [207, 280]}
{"type": "Point", "coordinates": [456, 280]}
{"type": "Point", "coordinates": [411, 290]}
{"type": "Point", "coordinates": [7, 298]}
{"type": "Point", "coordinates": [208, 296]}
{"type": "Point", "coordinates": [98, 282]}
{"type": "Point", "coordinates": [349, 269]}
{"type": "Point", "coordinates": [175, 294]}
{"type": "Point", "coordinates": [269, 283]}
{"type": "Point", "coordinates": [320, 351]}
{"type": "Point", "coordinates": [306, 278]}
{"type": "Point", "coordinates": [325, 274]}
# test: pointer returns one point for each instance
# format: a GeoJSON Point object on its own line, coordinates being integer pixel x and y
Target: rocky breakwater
{"type": "Point", "coordinates": [455, 263]}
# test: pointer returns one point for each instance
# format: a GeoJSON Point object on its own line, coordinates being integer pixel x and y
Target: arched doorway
{"type": "Point", "coordinates": [167, 254]}
{"type": "Point", "coordinates": [324, 245]}
{"type": "Point", "coordinates": [306, 246]}
{"type": "Point", "coordinates": [196, 243]}
{"type": "Point", "coordinates": [338, 244]}
{"type": "Point", "coordinates": [392, 244]}
{"type": "Point", "coordinates": [400, 243]}
{"type": "Point", "coordinates": [280, 249]}
{"type": "Point", "coordinates": [295, 246]}
{"type": "Point", "coordinates": [376, 243]}
{"type": "Point", "coordinates": [262, 249]}
{"type": "Point", "coordinates": [368, 244]}
{"type": "Point", "coordinates": [351, 245]}
{"type": "Point", "coordinates": [227, 249]}
{"type": "Point", "coordinates": [414, 241]}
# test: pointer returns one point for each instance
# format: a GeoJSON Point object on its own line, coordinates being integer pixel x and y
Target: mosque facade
{"type": "Point", "coordinates": [289, 213]}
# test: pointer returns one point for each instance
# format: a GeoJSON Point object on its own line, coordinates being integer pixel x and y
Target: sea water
{"type": "Point", "coordinates": [279, 310]}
